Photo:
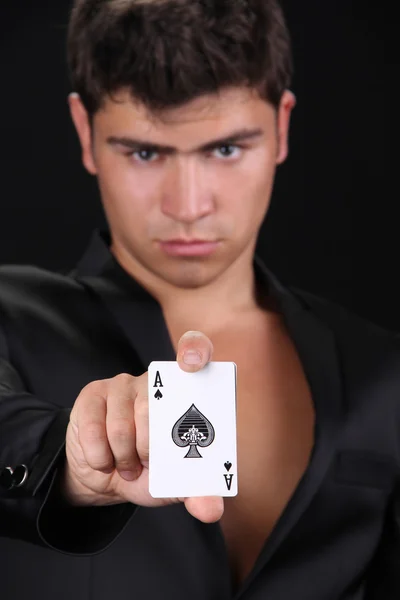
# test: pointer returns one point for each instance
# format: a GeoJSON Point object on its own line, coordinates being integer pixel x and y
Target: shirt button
{"type": "Point", "coordinates": [20, 475]}
{"type": "Point", "coordinates": [11, 478]}
{"type": "Point", "coordinates": [6, 478]}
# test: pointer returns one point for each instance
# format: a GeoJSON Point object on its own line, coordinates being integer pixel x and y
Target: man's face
{"type": "Point", "coordinates": [219, 194]}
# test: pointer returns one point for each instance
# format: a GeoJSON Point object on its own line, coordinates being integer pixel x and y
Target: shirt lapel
{"type": "Point", "coordinates": [141, 320]}
{"type": "Point", "coordinates": [315, 344]}
{"type": "Point", "coordinates": [137, 313]}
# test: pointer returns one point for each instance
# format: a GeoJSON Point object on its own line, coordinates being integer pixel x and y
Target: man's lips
{"type": "Point", "coordinates": [191, 248]}
{"type": "Point", "coordinates": [183, 241]}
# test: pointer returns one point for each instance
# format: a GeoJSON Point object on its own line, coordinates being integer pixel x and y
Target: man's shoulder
{"type": "Point", "coordinates": [31, 278]}
{"type": "Point", "coordinates": [347, 324]}
{"type": "Point", "coordinates": [23, 287]}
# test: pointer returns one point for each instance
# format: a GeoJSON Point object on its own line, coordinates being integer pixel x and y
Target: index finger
{"type": "Point", "coordinates": [195, 350]}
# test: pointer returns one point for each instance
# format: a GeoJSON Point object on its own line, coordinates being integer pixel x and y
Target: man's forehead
{"type": "Point", "coordinates": [211, 118]}
{"type": "Point", "coordinates": [206, 107]}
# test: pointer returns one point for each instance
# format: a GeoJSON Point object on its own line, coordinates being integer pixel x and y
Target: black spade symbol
{"type": "Point", "coordinates": [228, 465]}
{"type": "Point", "coordinates": [158, 395]}
{"type": "Point", "coordinates": [193, 429]}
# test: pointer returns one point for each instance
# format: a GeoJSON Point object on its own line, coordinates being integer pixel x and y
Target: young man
{"type": "Point", "coordinates": [182, 108]}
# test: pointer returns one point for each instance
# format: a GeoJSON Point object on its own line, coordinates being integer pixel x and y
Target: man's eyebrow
{"type": "Point", "coordinates": [236, 136]}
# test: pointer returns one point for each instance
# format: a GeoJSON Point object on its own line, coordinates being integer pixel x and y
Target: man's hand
{"type": "Point", "coordinates": [107, 444]}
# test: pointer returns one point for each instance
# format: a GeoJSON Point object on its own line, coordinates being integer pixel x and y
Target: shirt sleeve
{"type": "Point", "coordinates": [32, 458]}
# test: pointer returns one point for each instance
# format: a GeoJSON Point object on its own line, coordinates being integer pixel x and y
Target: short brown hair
{"type": "Point", "coordinates": [168, 52]}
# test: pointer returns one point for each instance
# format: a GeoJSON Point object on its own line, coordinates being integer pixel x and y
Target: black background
{"type": "Point", "coordinates": [332, 225]}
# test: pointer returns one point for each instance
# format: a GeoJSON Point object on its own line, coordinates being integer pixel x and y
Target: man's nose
{"type": "Point", "coordinates": [187, 194]}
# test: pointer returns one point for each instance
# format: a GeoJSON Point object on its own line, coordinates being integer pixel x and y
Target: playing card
{"type": "Point", "coordinates": [192, 419]}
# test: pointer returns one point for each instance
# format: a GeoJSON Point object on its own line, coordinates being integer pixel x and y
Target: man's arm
{"type": "Point", "coordinates": [33, 508]}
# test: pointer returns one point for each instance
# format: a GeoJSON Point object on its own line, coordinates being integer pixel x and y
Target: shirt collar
{"type": "Point", "coordinates": [98, 260]}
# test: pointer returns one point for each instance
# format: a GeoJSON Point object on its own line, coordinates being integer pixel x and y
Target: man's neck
{"type": "Point", "coordinates": [233, 295]}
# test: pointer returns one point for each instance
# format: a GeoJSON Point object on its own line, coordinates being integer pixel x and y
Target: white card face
{"type": "Point", "coordinates": [192, 419]}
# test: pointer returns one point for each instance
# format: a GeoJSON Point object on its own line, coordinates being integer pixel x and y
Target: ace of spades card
{"type": "Point", "coordinates": [192, 430]}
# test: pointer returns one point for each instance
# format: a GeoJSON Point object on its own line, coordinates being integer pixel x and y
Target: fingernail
{"type": "Point", "coordinates": [191, 357]}
{"type": "Point", "coordinates": [128, 475]}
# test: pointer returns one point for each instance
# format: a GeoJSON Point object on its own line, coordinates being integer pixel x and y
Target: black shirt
{"type": "Point", "coordinates": [338, 537]}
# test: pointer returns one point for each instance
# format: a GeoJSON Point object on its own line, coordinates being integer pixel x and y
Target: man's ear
{"type": "Point", "coordinates": [80, 118]}
{"type": "Point", "coordinates": [288, 102]}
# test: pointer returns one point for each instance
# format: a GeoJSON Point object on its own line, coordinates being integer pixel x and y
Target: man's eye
{"type": "Point", "coordinates": [227, 147]}
{"type": "Point", "coordinates": [142, 154]}
{"type": "Point", "coordinates": [145, 155]}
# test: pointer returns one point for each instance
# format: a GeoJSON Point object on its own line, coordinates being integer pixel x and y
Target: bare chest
{"type": "Point", "coordinates": [275, 421]}
{"type": "Point", "coordinates": [275, 432]}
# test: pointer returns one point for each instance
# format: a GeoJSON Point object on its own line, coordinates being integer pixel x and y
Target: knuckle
{"type": "Point", "coordinates": [94, 387]}
{"type": "Point", "coordinates": [142, 409]}
{"type": "Point", "coordinates": [124, 464]}
{"type": "Point", "coordinates": [101, 463]}
{"type": "Point", "coordinates": [140, 386]}
{"type": "Point", "coordinates": [120, 428]}
{"type": "Point", "coordinates": [123, 378]}
{"type": "Point", "coordinates": [193, 336]}
{"type": "Point", "coordinates": [96, 449]}
{"type": "Point", "coordinates": [94, 432]}
{"type": "Point", "coordinates": [195, 340]}
{"type": "Point", "coordinates": [141, 412]}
